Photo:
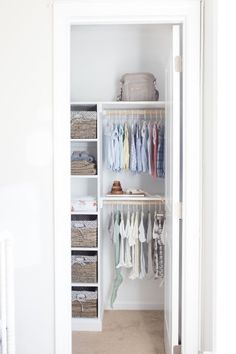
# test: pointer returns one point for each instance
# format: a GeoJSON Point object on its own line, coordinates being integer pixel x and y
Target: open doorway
{"type": "Point", "coordinates": [97, 99]}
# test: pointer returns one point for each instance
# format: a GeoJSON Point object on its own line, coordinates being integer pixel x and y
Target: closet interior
{"type": "Point", "coordinates": [118, 171]}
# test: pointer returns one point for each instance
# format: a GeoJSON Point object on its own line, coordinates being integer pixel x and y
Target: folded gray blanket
{"type": "Point", "coordinates": [82, 156]}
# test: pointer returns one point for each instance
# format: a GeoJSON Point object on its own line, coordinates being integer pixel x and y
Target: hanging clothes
{"type": "Point", "coordinates": [115, 149]}
{"type": "Point", "coordinates": [154, 150]}
{"type": "Point", "coordinates": [155, 245]}
{"type": "Point", "coordinates": [144, 156]}
{"type": "Point", "coordinates": [149, 147]}
{"type": "Point", "coordinates": [142, 239]}
{"type": "Point", "coordinates": [128, 262]}
{"type": "Point", "coordinates": [121, 147]}
{"type": "Point", "coordinates": [150, 272]}
{"type": "Point", "coordinates": [138, 148]}
{"type": "Point", "coordinates": [133, 156]}
{"type": "Point", "coordinates": [108, 145]}
{"type": "Point", "coordinates": [118, 275]}
{"type": "Point", "coordinates": [122, 244]}
{"type": "Point", "coordinates": [126, 148]}
{"type": "Point", "coordinates": [161, 153]}
{"type": "Point", "coordinates": [131, 241]}
{"type": "Point", "coordinates": [138, 247]}
{"type": "Point", "coordinates": [158, 247]}
{"type": "Point", "coordinates": [135, 249]}
{"type": "Point", "coordinates": [111, 225]}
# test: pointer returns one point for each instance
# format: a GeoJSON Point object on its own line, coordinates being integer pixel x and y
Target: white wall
{"type": "Point", "coordinates": [110, 51]}
{"type": "Point", "coordinates": [225, 260]}
{"type": "Point", "coordinates": [219, 175]}
{"type": "Point", "coordinates": [26, 165]}
{"type": "Point", "coordinates": [209, 174]}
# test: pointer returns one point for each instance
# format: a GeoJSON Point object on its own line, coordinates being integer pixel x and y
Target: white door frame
{"type": "Point", "coordinates": [81, 12]}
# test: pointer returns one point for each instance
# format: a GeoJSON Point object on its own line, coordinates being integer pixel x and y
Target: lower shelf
{"type": "Point", "coordinates": [84, 284]}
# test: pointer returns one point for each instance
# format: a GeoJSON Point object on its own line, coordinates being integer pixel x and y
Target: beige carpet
{"type": "Point", "coordinates": [124, 332]}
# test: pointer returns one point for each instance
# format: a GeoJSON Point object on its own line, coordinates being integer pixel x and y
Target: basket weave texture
{"type": "Point", "coordinates": [83, 125]}
{"type": "Point", "coordinates": [84, 269]}
{"type": "Point", "coordinates": [84, 303]}
{"type": "Point", "coordinates": [84, 233]}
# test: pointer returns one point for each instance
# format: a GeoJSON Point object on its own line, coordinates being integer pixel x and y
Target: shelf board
{"type": "Point", "coordinates": [83, 103]}
{"type": "Point", "coordinates": [93, 324]}
{"type": "Point", "coordinates": [158, 198]}
{"type": "Point", "coordinates": [85, 285]}
{"type": "Point", "coordinates": [121, 103]}
{"type": "Point", "coordinates": [83, 140]}
{"type": "Point", "coordinates": [83, 176]}
{"type": "Point", "coordinates": [84, 212]}
{"type": "Point", "coordinates": [84, 249]}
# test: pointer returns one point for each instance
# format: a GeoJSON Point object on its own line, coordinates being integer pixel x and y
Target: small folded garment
{"type": "Point", "coordinates": [84, 204]}
{"type": "Point", "coordinates": [81, 156]}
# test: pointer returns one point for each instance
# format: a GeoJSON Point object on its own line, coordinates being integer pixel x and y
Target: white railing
{"type": "Point", "coordinates": [7, 303]}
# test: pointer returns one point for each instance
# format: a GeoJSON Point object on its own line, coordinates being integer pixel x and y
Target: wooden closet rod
{"type": "Point", "coordinates": [132, 202]}
{"type": "Point", "coordinates": [134, 112]}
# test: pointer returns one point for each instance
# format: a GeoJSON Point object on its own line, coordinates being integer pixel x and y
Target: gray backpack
{"type": "Point", "coordinates": [138, 87]}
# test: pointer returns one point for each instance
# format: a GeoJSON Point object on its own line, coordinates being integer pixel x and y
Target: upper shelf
{"type": "Point", "coordinates": [123, 104]}
{"type": "Point", "coordinates": [132, 199]}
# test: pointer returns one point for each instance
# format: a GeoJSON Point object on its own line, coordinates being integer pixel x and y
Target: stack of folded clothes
{"type": "Point", "coordinates": [83, 124]}
{"type": "Point", "coordinates": [82, 163]}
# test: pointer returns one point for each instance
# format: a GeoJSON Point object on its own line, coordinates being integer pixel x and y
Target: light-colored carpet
{"type": "Point", "coordinates": [124, 332]}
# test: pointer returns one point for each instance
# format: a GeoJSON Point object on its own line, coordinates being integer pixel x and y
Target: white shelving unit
{"type": "Point", "coordinates": [83, 323]}
{"type": "Point", "coordinates": [95, 324]}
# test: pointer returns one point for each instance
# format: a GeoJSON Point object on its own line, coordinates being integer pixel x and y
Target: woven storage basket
{"type": "Point", "coordinates": [84, 236]}
{"type": "Point", "coordinates": [83, 125]}
{"type": "Point", "coordinates": [84, 268]}
{"type": "Point", "coordinates": [84, 303]}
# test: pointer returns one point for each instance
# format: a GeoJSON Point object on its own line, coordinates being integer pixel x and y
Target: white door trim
{"type": "Point", "coordinates": [186, 13]}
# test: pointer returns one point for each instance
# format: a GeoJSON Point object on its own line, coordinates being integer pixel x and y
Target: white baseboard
{"type": "Point", "coordinates": [87, 324]}
{"type": "Point", "coordinates": [135, 306]}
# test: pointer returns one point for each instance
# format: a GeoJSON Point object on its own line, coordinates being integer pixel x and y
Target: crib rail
{"type": "Point", "coordinates": [7, 330]}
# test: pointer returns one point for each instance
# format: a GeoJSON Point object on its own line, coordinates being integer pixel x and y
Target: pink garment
{"type": "Point", "coordinates": [154, 150]}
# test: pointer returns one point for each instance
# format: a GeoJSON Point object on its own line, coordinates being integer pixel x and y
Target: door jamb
{"type": "Point", "coordinates": [187, 13]}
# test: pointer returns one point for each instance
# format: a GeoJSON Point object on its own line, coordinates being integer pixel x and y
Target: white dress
{"type": "Point", "coordinates": [135, 249]}
{"type": "Point", "coordinates": [149, 241]}
{"type": "Point", "coordinates": [122, 236]}
{"type": "Point", "coordinates": [142, 239]}
{"type": "Point", "coordinates": [128, 262]}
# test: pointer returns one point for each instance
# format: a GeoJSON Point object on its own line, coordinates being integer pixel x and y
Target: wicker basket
{"type": "Point", "coordinates": [83, 125]}
{"type": "Point", "coordinates": [84, 233]}
{"type": "Point", "coordinates": [84, 268]}
{"type": "Point", "coordinates": [84, 303]}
